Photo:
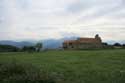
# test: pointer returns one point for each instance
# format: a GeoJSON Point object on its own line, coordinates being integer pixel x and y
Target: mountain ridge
{"type": "Point", "coordinates": [47, 44]}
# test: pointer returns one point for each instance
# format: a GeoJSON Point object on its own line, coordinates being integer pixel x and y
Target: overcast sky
{"type": "Point", "coordinates": [44, 19]}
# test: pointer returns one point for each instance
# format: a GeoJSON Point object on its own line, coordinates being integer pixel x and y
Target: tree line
{"type": "Point", "coordinates": [38, 47]}
{"type": "Point", "coordinates": [115, 45]}
{"type": "Point", "coordinates": [9, 48]}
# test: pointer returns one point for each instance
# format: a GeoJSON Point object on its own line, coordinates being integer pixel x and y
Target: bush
{"type": "Point", "coordinates": [28, 49]}
{"type": "Point", "coordinates": [8, 48]}
{"type": "Point", "coordinates": [117, 44]}
{"type": "Point", "coordinates": [13, 73]}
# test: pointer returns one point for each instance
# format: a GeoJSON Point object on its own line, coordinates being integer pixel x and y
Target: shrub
{"type": "Point", "coordinates": [8, 48]}
{"type": "Point", "coordinates": [28, 49]}
{"type": "Point", "coordinates": [117, 44]}
{"type": "Point", "coordinates": [13, 73]}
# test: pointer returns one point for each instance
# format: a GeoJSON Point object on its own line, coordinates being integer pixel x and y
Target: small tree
{"type": "Point", "coordinates": [39, 47]}
{"type": "Point", "coordinates": [28, 49]}
{"type": "Point", "coordinates": [105, 44]}
{"type": "Point", "coordinates": [117, 44]}
{"type": "Point", "coordinates": [123, 45]}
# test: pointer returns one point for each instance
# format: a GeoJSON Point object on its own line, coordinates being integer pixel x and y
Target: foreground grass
{"type": "Point", "coordinates": [102, 66]}
{"type": "Point", "coordinates": [22, 73]}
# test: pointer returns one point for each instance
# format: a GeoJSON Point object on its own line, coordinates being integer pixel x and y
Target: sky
{"type": "Point", "coordinates": [56, 19]}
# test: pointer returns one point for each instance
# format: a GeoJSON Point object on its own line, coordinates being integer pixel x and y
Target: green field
{"type": "Point", "coordinates": [98, 66]}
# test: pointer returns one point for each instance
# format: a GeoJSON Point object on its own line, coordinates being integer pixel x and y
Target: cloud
{"type": "Point", "coordinates": [23, 4]}
{"type": "Point", "coordinates": [43, 19]}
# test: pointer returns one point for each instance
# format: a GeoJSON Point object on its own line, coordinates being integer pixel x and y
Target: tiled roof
{"type": "Point", "coordinates": [70, 41]}
{"type": "Point", "coordinates": [83, 40]}
{"type": "Point", "coordinates": [88, 40]}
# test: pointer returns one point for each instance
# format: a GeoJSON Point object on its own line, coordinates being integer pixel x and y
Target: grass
{"type": "Point", "coordinates": [98, 66]}
{"type": "Point", "coordinates": [22, 73]}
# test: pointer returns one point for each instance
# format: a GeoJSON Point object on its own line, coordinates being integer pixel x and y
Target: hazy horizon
{"type": "Point", "coordinates": [56, 19]}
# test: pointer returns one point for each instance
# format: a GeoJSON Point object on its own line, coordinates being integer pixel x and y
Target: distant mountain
{"type": "Point", "coordinates": [113, 42]}
{"type": "Point", "coordinates": [53, 43]}
{"type": "Point", "coordinates": [48, 43]}
{"type": "Point", "coordinates": [17, 44]}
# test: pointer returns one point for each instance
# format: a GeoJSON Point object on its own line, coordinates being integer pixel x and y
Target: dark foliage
{"type": "Point", "coordinates": [117, 44]}
{"type": "Point", "coordinates": [28, 49]}
{"type": "Point", "coordinates": [123, 45]}
{"type": "Point", "coordinates": [38, 47]}
{"type": "Point", "coordinates": [8, 48]}
{"type": "Point", "coordinates": [105, 44]}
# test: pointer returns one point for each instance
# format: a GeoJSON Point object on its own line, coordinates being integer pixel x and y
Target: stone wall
{"type": "Point", "coordinates": [83, 46]}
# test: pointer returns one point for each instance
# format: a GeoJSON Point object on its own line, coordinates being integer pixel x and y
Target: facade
{"type": "Point", "coordinates": [83, 43]}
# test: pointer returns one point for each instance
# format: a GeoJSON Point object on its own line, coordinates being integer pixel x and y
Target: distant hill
{"type": "Point", "coordinates": [53, 43]}
{"type": "Point", "coordinates": [48, 43]}
{"type": "Point", "coordinates": [113, 42]}
{"type": "Point", "coordinates": [17, 44]}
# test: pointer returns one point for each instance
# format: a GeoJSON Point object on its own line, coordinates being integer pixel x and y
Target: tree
{"type": "Point", "coordinates": [24, 49]}
{"type": "Point", "coordinates": [123, 45]}
{"type": "Point", "coordinates": [28, 49]}
{"type": "Point", "coordinates": [117, 44]}
{"type": "Point", "coordinates": [8, 48]}
{"type": "Point", "coordinates": [38, 46]}
{"type": "Point", "coordinates": [105, 44]}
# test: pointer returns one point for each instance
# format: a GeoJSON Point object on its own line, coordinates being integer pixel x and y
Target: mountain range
{"type": "Point", "coordinates": [47, 44]}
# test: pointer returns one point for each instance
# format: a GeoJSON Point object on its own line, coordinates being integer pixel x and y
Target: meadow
{"type": "Point", "coordinates": [83, 66]}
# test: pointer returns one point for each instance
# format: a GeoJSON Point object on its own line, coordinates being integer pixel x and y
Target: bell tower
{"type": "Point", "coordinates": [98, 38]}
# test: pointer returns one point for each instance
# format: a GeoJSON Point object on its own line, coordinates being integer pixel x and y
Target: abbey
{"type": "Point", "coordinates": [83, 43]}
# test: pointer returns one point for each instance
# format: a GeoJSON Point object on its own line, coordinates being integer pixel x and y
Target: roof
{"type": "Point", "coordinates": [88, 40]}
{"type": "Point", "coordinates": [83, 40]}
{"type": "Point", "coordinates": [70, 41]}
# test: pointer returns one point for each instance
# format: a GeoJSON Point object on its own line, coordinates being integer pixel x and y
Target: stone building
{"type": "Point", "coordinates": [83, 43]}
